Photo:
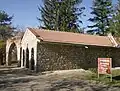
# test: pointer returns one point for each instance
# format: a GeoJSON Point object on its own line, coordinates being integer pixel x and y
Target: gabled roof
{"type": "Point", "coordinates": [74, 38]}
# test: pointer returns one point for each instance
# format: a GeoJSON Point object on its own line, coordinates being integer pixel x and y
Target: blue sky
{"type": "Point", "coordinates": [26, 11]}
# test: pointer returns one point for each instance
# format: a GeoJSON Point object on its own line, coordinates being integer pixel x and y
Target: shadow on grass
{"type": "Point", "coordinates": [116, 78]}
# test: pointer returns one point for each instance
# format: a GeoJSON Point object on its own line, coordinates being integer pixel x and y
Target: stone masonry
{"type": "Point", "coordinates": [57, 56]}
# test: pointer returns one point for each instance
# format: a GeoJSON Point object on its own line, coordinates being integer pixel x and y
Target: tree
{"type": "Point", "coordinates": [5, 32]}
{"type": "Point", "coordinates": [115, 22]}
{"type": "Point", "coordinates": [5, 25]}
{"type": "Point", "coordinates": [61, 15]}
{"type": "Point", "coordinates": [2, 52]}
{"type": "Point", "coordinates": [102, 14]}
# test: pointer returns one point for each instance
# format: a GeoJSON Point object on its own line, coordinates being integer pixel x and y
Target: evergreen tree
{"type": "Point", "coordinates": [102, 13]}
{"type": "Point", "coordinates": [61, 15]}
{"type": "Point", "coordinates": [5, 32]}
{"type": "Point", "coordinates": [115, 22]}
{"type": "Point", "coordinates": [5, 25]}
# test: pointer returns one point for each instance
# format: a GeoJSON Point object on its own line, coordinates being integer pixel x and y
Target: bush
{"type": "Point", "coordinates": [2, 52]}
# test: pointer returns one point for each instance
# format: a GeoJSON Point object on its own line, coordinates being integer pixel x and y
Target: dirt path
{"type": "Point", "coordinates": [67, 80]}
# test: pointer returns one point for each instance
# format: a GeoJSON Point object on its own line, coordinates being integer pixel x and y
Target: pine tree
{"type": "Point", "coordinates": [102, 13]}
{"type": "Point", "coordinates": [115, 22]}
{"type": "Point", "coordinates": [61, 15]}
{"type": "Point", "coordinates": [5, 25]}
{"type": "Point", "coordinates": [5, 33]}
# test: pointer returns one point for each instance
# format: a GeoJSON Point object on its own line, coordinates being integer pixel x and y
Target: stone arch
{"type": "Point", "coordinates": [32, 59]}
{"type": "Point", "coordinates": [27, 58]}
{"type": "Point", "coordinates": [16, 42]}
{"type": "Point", "coordinates": [12, 55]}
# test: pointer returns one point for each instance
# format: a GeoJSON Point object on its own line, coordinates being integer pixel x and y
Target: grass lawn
{"type": "Point", "coordinates": [106, 78]}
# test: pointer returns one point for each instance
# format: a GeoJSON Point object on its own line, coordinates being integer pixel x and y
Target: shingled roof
{"type": "Point", "coordinates": [73, 38]}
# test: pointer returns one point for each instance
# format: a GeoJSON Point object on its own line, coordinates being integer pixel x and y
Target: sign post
{"type": "Point", "coordinates": [104, 66]}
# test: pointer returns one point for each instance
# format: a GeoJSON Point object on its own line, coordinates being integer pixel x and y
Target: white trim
{"type": "Point", "coordinates": [112, 40]}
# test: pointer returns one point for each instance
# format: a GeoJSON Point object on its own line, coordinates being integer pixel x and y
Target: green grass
{"type": "Point", "coordinates": [106, 78]}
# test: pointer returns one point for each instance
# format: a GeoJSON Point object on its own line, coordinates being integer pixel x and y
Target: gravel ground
{"type": "Point", "coordinates": [68, 80]}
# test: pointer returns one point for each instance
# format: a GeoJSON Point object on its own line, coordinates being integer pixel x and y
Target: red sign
{"type": "Point", "coordinates": [104, 65]}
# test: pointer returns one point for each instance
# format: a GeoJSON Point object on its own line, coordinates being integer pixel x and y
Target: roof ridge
{"type": "Point", "coordinates": [34, 32]}
{"type": "Point", "coordinates": [70, 37]}
{"type": "Point", "coordinates": [46, 30]}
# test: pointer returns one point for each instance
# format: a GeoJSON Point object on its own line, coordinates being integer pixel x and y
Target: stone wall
{"type": "Point", "coordinates": [51, 56]}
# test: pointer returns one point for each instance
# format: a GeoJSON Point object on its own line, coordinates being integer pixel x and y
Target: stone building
{"type": "Point", "coordinates": [44, 50]}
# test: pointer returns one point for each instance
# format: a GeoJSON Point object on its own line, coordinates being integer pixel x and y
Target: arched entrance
{"type": "Point", "coordinates": [12, 55]}
{"type": "Point", "coordinates": [32, 59]}
{"type": "Point", "coordinates": [27, 58]}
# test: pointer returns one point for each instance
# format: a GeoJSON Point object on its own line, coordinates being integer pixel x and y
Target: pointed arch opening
{"type": "Point", "coordinates": [32, 59]}
{"type": "Point", "coordinates": [27, 58]}
{"type": "Point", "coordinates": [20, 56]}
{"type": "Point", "coordinates": [23, 57]}
{"type": "Point", "coordinates": [12, 55]}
